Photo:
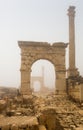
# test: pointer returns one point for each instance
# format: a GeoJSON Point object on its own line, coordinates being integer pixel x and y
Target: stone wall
{"type": "Point", "coordinates": [76, 92]}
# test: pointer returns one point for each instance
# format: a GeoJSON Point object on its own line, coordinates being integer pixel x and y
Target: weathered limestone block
{"type": "Point", "coordinates": [76, 92]}
{"type": "Point", "coordinates": [23, 126]}
{"type": "Point", "coordinates": [3, 105]}
{"type": "Point", "coordinates": [27, 128]}
{"type": "Point", "coordinates": [80, 128]}
{"type": "Point", "coordinates": [14, 127]}
{"type": "Point", "coordinates": [81, 92]}
{"type": "Point", "coordinates": [23, 67]}
{"type": "Point", "coordinates": [6, 127]}
{"type": "Point", "coordinates": [34, 127]}
{"type": "Point", "coordinates": [42, 127]}
{"type": "Point", "coordinates": [61, 86]}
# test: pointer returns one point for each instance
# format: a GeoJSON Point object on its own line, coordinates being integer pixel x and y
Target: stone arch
{"type": "Point", "coordinates": [32, 51]}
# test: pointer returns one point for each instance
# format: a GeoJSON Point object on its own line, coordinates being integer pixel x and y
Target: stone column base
{"type": "Point", "coordinates": [25, 90]}
{"type": "Point", "coordinates": [72, 72]}
{"type": "Point", "coordinates": [60, 86]}
{"type": "Point", "coordinates": [60, 92]}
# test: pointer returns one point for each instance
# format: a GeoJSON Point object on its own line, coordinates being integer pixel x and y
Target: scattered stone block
{"type": "Point", "coordinates": [6, 127]}
{"type": "Point", "coordinates": [14, 127]}
{"type": "Point", "coordinates": [42, 127]}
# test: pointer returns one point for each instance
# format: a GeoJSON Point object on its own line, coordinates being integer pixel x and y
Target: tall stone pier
{"type": "Point", "coordinates": [72, 71]}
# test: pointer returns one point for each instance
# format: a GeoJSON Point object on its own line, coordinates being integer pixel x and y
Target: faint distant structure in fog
{"type": "Point", "coordinates": [44, 78]}
{"type": "Point", "coordinates": [37, 82]}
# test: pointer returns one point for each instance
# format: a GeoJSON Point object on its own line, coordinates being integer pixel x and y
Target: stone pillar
{"type": "Point", "coordinates": [72, 68]}
{"type": "Point", "coordinates": [25, 83]}
{"type": "Point", "coordinates": [60, 82]}
{"type": "Point", "coordinates": [25, 75]}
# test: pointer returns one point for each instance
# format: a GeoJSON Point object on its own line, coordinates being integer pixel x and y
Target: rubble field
{"type": "Point", "coordinates": [48, 112]}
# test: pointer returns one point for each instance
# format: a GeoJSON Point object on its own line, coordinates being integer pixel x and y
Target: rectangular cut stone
{"type": "Point", "coordinates": [14, 127]}
{"type": "Point", "coordinates": [6, 127]}
{"type": "Point", "coordinates": [42, 127]}
{"type": "Point", "coordinates": [81, 92]}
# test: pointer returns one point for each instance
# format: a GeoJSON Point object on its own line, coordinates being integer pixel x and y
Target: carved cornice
{"type": "Point", "coordinates": [41, 44]}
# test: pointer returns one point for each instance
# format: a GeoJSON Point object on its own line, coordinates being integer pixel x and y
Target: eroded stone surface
{"type": "Point", "coordinates": [50, 112]}
{"type": "Point", "coordinates": [33, 51]}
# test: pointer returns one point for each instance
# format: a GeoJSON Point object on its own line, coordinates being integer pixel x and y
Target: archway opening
{"type": "Point", "coordinates": [43, 77]}
{"type": "Point", "coordinates": [37, 86]}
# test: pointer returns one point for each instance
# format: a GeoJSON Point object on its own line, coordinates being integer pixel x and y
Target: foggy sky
{"type": "Point", "coordinates": [34, 20]}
